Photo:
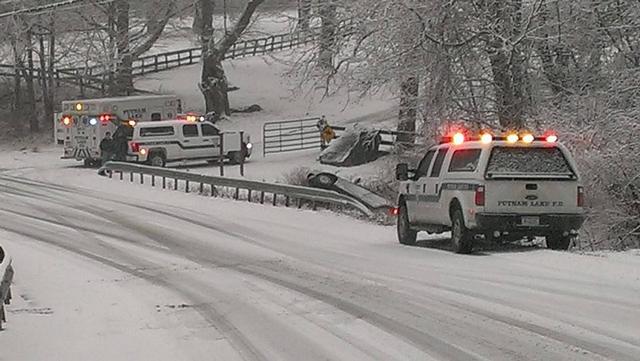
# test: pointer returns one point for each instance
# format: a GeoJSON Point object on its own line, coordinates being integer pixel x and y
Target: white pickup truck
{"type": "Point", "coordinates": [501, 187]}
{"type": "Point", "coordinates": [159, 143]}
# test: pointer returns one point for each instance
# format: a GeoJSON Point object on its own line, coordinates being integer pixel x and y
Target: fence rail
{"type": "Point", "coordinates": [97, 77]}
{"type": "Point", "coordinates": [289, 194]}
{"type": "Point", "coordinates": [303, 134]}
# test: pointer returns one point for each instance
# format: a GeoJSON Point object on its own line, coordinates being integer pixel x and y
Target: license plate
{"type": "Point", "coordinates": [530, 221]}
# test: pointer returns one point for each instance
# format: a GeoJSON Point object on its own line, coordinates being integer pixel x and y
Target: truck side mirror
{"type": "Point", "coordinates": [402, 172]}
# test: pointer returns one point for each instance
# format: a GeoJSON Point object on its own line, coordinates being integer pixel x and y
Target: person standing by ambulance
{"type": "Point", "coordinates": [106, 148]}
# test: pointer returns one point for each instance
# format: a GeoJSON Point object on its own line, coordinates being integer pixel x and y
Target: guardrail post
{"type": "Point", "coordinates": [275, 199]}
{"type": "Point", "coordinates": [110, 173]}
{"type": "Point", "coordinates": [221, 157]}
{"type": "Point", "coordinates": [131, 176]}
{"type": "Point", "coordinates": [186, 186]}
{"type": "Point", "coordinates": [141, 178]}
{"type": "Point", "coordinates": [241, 155]}
{"type": "Point", "coordinates": [121, 175]}
{"type": "Point", "coordinates": [237, 195]}
{"type": "Point", "coordinates": [287, 200]}
{"type": "Point", "coordinates": [175, 184]}
{"type": "Point", "coordinates": [249, 195]}
{"type": "Point", "coordinates": [153, 180]}
{"type": "Point", "coordinates": [213, 190]}
{"type": "Point", "coordinates": [201, 188]}
{"type": "Point", "coordinates": [164, 182]}
{"type": "Point", "coordinates": [262, 197]}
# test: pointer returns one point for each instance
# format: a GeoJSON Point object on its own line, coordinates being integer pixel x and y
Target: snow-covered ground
{"type": "Point", "coordinates": [107, 270]}
{"type": "Point", "coordinates": [111, 270]}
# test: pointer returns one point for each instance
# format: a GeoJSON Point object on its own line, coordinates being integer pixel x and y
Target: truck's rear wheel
{"type": "Point", "coordinates": [559, 242]}
{"type": "Point", "coordinates": [157, 160]}
{"type": "Point", "coordinates": [406, 235]}
{"type": "Point", "coordinates": [461, 237]}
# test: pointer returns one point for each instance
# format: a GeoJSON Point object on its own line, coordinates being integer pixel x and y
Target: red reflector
{"type": "Point", "coordinates": [580, 197]}
{"type": "Point", "coordinates": [135, 147]}
{"type": "Point", "coordinates": [394, 211]}
{"type": "Point", "coordinates": [479, 199]}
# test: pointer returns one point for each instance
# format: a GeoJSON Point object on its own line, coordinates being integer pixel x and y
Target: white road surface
{"type": "Point", "coordinates": [107, 270]}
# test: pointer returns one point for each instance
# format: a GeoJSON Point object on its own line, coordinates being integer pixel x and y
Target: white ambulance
{"type": "Point", "coordinates": [85, 122]}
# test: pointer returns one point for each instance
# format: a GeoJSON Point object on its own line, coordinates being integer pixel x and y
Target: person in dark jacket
{"type": "Point", "coordinates": [106, 148]}
{"type": "Point", "coordinates": [120, 144]}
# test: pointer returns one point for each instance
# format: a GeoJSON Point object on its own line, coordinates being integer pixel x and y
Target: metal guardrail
{"type": "Point", "coordinates": [6, 276]}
{"type": "Point", "coordinates": [288, 193]}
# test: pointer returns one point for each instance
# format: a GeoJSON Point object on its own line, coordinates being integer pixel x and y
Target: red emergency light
{"type": "Point", "coordinates": [460, 137]}
{"type": "Point", "coordinates": [67, 120]}
{"type": "Point", "coordinates": [105, 118]}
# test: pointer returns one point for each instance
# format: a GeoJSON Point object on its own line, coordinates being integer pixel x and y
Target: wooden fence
{"type": "Point", "coordinates": [97, 77]}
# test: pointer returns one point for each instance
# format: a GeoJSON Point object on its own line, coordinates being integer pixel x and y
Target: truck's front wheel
{"type": "Point", "coordinates": [406, 235]}
{"type": "Point", "coordinates": [461, 237]}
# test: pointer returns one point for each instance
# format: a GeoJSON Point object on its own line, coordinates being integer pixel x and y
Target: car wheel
{"type": "Point", "coordinates": [461, 238]}
{"type": "Point", "coordinates": [157, 160]}
{"type": "Point", "coordinates": [406, 235]}
{"type": "Point", "coordinates": [559, 242]}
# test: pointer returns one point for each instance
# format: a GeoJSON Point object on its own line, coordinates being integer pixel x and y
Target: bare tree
{"type": "Point", "coordinates": [213, 82]}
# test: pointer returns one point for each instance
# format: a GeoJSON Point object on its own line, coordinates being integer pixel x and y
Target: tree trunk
{"type": "Point", "coordinates": [213, 81]}
{"type": "Point", "coordinates": [17, 76]}
{"type": "Point", "coordinates": [408, 110]}
{"type": "Point", "coordinates": [214, 85]}
{"type": "Point", "coordinates": [123, 79]}
{"type": "Point", "coordinates": [328, 16]}
{"type": "Point", "coordinates": [507, 65]}
{"type": "Point", "coordinates": [304, 14]}
{"type": "Point", "coordinates": [51, 72]}
{"type": "Point", "coordinates": [44, 81]}
{"type": "Point", "coordinates": [34, 125]}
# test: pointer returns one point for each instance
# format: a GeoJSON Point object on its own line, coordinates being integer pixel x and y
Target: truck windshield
{"type": "Point", "coordinates": [528, 161]}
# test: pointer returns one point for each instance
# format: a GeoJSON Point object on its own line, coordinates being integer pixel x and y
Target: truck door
{"type": "Point", "coordinates": [192, 143]}
{"type": "Point", "coordinates": [429, 201]}
{"type": "Point", "coordinates": [418, 187]}
{"type": "Point", "coordinates": [211, 138]}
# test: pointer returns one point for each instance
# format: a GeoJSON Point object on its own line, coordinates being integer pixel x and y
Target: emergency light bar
{"type": "Point", "coordinates": [459, 138]}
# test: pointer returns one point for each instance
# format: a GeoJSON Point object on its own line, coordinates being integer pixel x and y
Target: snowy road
{"type": "Point", "coordinates": [261, 283]}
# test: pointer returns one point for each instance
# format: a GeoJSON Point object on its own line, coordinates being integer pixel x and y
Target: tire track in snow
{"type": "Point", "coordinates": [384, 322]}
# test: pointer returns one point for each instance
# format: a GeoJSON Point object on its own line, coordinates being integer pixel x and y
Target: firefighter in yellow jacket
{"type": "Point", "coordinates": [327, 134]}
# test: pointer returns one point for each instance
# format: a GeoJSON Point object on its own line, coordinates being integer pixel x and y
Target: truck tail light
{"type": "Point", "coordinates": [580, 199]}
{"type": "Point", "coordinates": [479, 198]}
{"type": "Point", "coordinates": [135, 147]}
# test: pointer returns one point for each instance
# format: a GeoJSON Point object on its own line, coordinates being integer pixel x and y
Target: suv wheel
{"type": "Point", "coordinates": [406, 235]}
{"type": "Point", "coordinates": [157, 160]}
{"type": "Point", "coordinates": [559, 242]}
{"type": "Point", "coordinates": [461, 237]}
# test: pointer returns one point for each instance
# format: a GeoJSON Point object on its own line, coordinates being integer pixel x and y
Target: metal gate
{"type": "Point", "coordinates": [290, 135]}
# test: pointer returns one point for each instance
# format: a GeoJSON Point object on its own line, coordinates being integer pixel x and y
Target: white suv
{"type": "Point", "coordinates": [503, 188]}
{"type": "Point", "coordinates": [157, 143]}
